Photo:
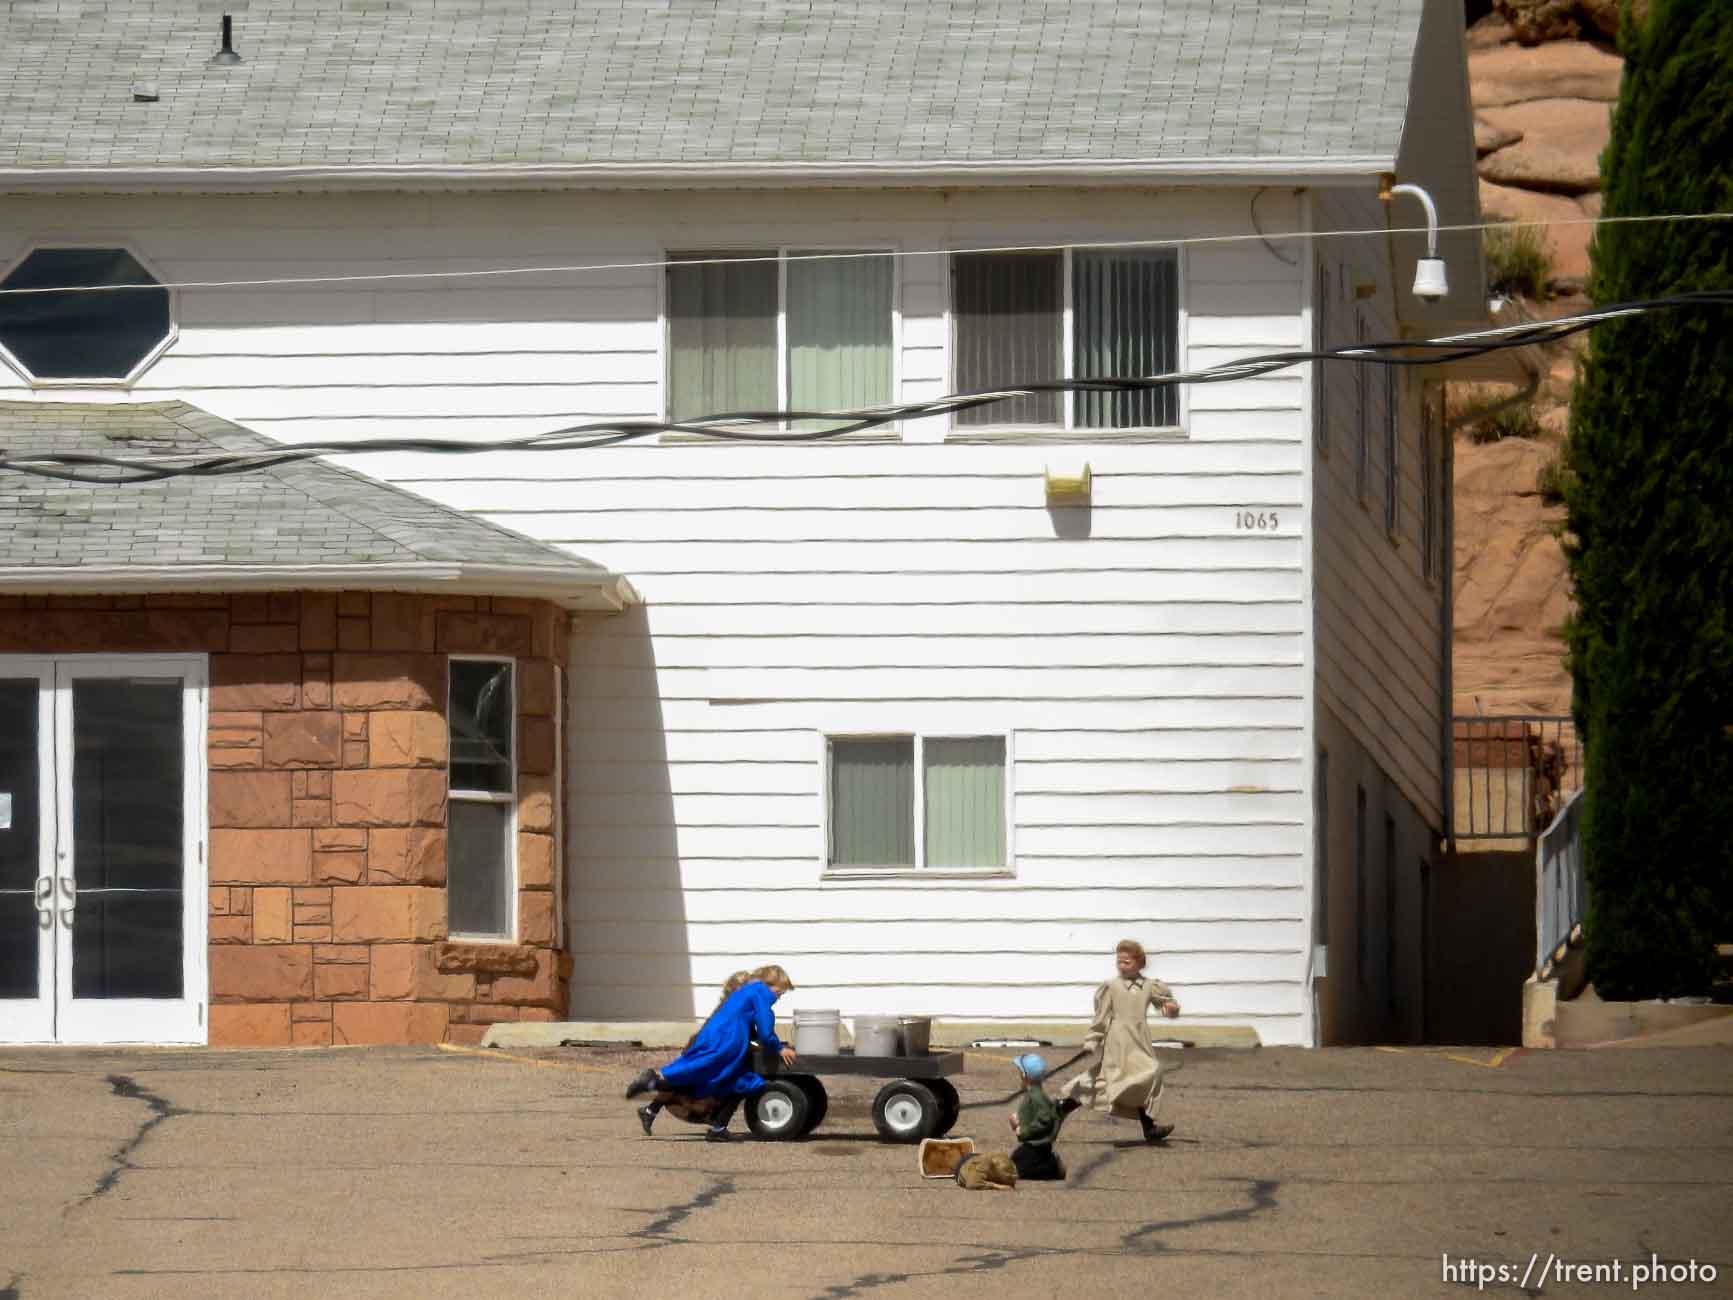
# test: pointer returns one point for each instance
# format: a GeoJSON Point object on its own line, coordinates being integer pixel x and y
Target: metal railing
{"type": "Point", "coordinates": [1512, 774]}
{"type": "Point", "coordinates": [1558, 885]}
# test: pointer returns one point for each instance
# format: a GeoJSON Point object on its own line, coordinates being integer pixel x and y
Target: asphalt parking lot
{"type": "Point", "coordinates": [429, 1172]}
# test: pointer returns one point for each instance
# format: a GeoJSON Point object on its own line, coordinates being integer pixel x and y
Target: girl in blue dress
{"type": "Point", "coordinates": [718, 1062]}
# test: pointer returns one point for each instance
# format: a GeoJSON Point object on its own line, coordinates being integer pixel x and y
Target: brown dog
{"type": "Point", "coordinates": [983, 1172]}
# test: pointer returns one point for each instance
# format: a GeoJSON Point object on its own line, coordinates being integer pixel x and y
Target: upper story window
{"type": "Point", "coordinates": [790, 330]}
{"type": "Point", "coordinates": [1084, 314]}
{"type": "Point", "coordinates": [83, 337]}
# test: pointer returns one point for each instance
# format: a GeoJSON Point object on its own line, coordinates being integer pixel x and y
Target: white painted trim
{"type": "Point", "coordinates": [1311, 1022]}
{"type": "Point", "coordinates": [1182, 339]}
{"type": "Point", "coordinates": [137, 1020]}
{"type": "Point", "coordinates": [50, 242]}
{"type": "Point", "coordinates": [1066, 430]}
{"type": "Point", "coordinates": [823, 803]}
{"type": "Point", "coordinates": [505, 798]}
{"type": "Point", "coordinates": [1269, 170]}
{"type": "Point", "coordinates": [784, 371]}
{"type": "Point", "coordinates": [920, 870]}
{"type": "Point", "coordinates": [664, 339]}
{"type": "Point", "coordinates": [604, 592]}
{"type": "Point", "coordinates": [32, 1020]}
{"type": "Point", "coordinates": [784, 250]}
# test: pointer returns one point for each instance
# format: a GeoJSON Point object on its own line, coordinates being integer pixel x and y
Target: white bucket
{"type": "Point", "coordinates": [815, 1032]}
{"type": "Point", "coordinates": [877, 1036]}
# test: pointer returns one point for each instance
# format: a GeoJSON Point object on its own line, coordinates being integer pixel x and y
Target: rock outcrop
{"type": "Point", "coordinates": [1542, 116]}
{"type": "Point", "coordinates": [1544, 79]}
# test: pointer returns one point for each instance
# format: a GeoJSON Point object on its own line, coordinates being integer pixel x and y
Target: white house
{"type": "Point", "coordinates": [888, 713]}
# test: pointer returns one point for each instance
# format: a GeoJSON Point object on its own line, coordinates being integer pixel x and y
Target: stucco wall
{"type": "Point", "coordinates": [327, 753]}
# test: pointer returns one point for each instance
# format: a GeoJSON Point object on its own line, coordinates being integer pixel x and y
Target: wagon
{"type": "Point", "coordinates": [918, 1102]}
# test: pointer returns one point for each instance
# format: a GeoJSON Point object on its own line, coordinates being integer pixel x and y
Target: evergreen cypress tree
{"type": "Point", "coordinates": [1650, 497]}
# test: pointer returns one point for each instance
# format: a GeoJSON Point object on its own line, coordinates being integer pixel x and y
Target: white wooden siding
{"type": "Point", "coordinates": [1379, 643]}
{"type": "Point", "coordinates": [1154, 673]}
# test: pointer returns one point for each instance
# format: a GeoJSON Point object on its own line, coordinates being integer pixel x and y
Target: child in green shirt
{"type": "Point", "coordinates": [1036, 1125]}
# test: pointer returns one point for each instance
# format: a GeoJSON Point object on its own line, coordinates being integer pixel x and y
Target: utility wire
{"type": "Point", "coordinates": [385, 277]}
{"type": "Point", "coordinates": [767, 426]}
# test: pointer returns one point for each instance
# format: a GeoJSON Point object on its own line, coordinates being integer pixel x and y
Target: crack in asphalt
{"type": "Point", "coordinates": [161, 1109]}
{"type": "Point", "coordinates": [990, 1261]}
{"type": "Point", "coordinates": [1137, 1241]}
{"type": "Point", "coordinates": [1263, 1197]}
{"type": "Point", "coordinates": [661, 1230]}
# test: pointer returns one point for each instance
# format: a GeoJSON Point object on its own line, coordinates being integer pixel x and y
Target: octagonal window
{"type": "Point", "coordinates": [102, 337]}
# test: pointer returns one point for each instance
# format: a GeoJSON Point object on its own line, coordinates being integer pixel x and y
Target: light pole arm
{"type": "Point", "coordinates": [1431, 212]}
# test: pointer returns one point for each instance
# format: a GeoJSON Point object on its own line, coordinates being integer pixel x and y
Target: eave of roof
{"type": "Point", "coordinates": [1283, 170]}
{"type": "Point", "coordinates": [604, 592]}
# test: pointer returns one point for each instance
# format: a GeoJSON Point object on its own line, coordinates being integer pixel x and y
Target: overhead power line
{"type": "Point", "coordinates": [770, 426]}
{"type": "Point", "coordinates": [893, 254]}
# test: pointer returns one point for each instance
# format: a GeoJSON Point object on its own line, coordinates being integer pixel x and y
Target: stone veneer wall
{"type": "Point", "coordinates": [328, 754]}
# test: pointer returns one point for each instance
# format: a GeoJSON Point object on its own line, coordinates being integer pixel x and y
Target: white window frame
{"type": "Point", "coordinates": [781, 252]}
{"type": "Point", "coordinates": [48, 242]}
{"type": "Point", "coordinates": [1067, 430]}
{"type": "Point", "coordinates": [920, 869]}
{"type": "Point", "coordinates": [507, 798]}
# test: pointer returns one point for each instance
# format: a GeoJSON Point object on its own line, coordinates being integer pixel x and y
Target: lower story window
{"type": "Point", "coordinates": [481, 887]}
{"type": "Point", "coordinates": [916, 802]}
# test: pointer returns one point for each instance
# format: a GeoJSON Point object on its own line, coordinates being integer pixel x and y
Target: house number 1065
{"type": "Point", "coordinates": [1257, 521]}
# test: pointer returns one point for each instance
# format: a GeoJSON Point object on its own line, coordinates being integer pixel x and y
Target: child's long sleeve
{"type": "Point", "coordinates": [764, 1025]}
{"type": "Point", "coordinates": [1098, 1026]}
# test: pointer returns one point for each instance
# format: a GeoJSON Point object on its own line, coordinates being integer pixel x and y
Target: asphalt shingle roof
{"type": "Point", "coordinates": [303, 516]}
{"type": "Point", "coordinates": [717, 83]}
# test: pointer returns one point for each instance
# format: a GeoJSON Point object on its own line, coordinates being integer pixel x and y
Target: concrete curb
{"type": "Point", "coordinates": [957, 1033]}
{"type": "Point", "coordinates": [1549, 1020]}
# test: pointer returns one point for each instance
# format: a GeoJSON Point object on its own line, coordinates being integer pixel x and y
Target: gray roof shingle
{"type": "Point", "coordinates": [302, 517]}
{"type": "Point", "coordinates": [703, 83]}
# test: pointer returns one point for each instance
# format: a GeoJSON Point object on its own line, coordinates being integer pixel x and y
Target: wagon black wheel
{"type": "Point", "coordinates": [905, 1111]}
{"type": "Point", "coordinates": [779, 1112]}
{"type": "Point", "coordinates": [817, 1099]}
{"type": "Point", "coordinates": [950, 1105]}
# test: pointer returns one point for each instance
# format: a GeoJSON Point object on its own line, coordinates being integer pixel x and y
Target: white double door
{"type": "Point", "coordinates": [102, 898]}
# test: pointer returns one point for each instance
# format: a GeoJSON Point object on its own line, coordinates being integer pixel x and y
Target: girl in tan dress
{"type": "Point", "coordinates": [1125, 1073]}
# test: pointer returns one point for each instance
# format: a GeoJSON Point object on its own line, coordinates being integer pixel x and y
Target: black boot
{"type": "Point", "coordinates": [647, 1116]}
{"type": "Point", "coordinates": [643, 1083]}
{"type": "Point", "coordinates": [719, 1126]}
{"type": "Point", "coordinates": [1152, 1132]}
